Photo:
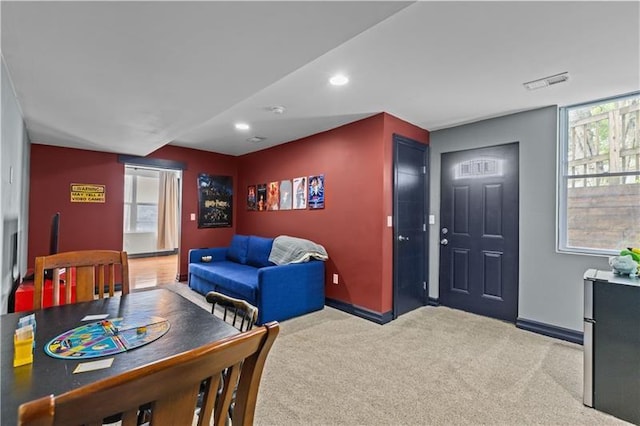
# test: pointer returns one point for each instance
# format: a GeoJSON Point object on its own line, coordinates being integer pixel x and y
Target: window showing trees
{"type": "Point", "coordinates": [599, 190]}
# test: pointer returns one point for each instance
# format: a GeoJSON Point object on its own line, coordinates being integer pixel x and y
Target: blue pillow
{"type": "Point", "coordinates": [237, 250]}
{"type": "Point", "coordinates": [259, 251]}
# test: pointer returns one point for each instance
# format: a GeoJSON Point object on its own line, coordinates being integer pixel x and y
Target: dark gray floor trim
{"type": "Point", "coordinates": [550, 330]}
{"type": "Point", "coordinates": [433, 302]}
{"type": "Point", "coordinates": [380, 318]}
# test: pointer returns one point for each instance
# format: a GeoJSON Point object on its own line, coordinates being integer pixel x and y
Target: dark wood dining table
{"type": "Point", "coordinates": [190, 327]}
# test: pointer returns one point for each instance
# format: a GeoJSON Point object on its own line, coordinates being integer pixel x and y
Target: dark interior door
{"type": "Point", "coordinates": [479, 231]}
{"type": "Point", "coordinates": [410, 229]}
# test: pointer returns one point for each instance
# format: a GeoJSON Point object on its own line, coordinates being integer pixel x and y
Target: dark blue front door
{"type": "Point", "coordinates": [479, 231]}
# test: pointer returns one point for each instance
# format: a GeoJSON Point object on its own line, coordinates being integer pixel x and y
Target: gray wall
{"type": "Point", "coordinates": [550, 287]}
{"type": "Point", "coordinates": [14, 173]}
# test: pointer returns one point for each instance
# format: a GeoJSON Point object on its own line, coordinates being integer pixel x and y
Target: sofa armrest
{"type": "Point", "coordinates": [289, 290]}
{"type": "Point", "coordinates": [216, 253]}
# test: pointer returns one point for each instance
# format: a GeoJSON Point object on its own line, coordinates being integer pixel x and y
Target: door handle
{"type": "Point", "coordinates": [444, 241]}
{"type": "Point", "coordinates": [402, 238]}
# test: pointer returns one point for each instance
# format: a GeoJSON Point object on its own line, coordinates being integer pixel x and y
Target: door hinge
{"type": "Point", "coordinates": [424, 285]}
{"type": "Point", "coordinates": [424, 170]}
{"type": "Point", "coordinates": [424, 227]}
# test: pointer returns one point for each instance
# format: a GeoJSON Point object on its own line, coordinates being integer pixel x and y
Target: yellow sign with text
{"type": "Point", "coordinates": [87, 193]}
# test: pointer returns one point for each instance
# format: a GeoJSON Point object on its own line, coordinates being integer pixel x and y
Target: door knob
{"type": "Point", "coordinates": [402, 238]}
{"type": "Point", "coordinates": [444, 241]}
{"type": "Point", "coordinates": [444, 231]}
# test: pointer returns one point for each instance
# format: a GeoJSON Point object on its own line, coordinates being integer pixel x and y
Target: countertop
{"type": "Point", "coordinates": [609, 276]}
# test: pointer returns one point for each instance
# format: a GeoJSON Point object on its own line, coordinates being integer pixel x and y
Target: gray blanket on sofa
{"type": "Point", "coordinates": [287, 249]}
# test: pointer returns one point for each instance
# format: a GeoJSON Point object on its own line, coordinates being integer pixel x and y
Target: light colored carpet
{"type": "Point", "coordinates": [430, 366]}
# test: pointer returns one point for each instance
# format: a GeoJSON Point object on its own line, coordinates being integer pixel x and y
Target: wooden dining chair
{"type": "Point", "coordinates": [239, 313]}
{"type": "Point", "coordinates": [91, 270]}
{"type": "Point", "coordinates": [170, 385]}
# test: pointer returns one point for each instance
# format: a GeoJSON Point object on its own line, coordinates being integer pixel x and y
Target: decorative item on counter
{"type": "Point", "coordinates": [624, 264]}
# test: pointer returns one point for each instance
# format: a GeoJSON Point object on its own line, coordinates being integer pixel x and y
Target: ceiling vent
{"type": "Point", "coordinates": [277, 109]}
{"type": "Point", "coordinates": [256, 139]}
{"type": "Point", "coordinates": [547, 81]}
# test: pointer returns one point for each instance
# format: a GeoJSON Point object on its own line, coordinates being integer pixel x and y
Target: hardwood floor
{"type": "Point", "coordinates": [151, 271]}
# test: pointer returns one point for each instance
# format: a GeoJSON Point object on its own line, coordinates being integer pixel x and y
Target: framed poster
{"type": "Point", "coordinates": [316, 192]}
{"type": "Point", "coordinates": [262, 197]}
{"type": "Point", "coordinates": [285, 195]}
{"type": "Point", "coordinates": [215, 201]}
{"type": "Point", "coordinates": [251, 198]}
{"type": "Point", "coordinates": [273, 196]}
{"type": "Point", "coordinates": [300, 193]}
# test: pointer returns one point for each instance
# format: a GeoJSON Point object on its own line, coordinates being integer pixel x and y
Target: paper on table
{"type": "Point", "coordinates": [24, 333]}
{"type": "Point", "coordinates": [94, 317]}
{"type": "Point", "coordinates": [93, 365]}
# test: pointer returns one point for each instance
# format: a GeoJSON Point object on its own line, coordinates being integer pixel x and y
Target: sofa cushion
{"type": "Point", "coordinates": [258, 251]}
{"type": "Point", "coordinates": [237, 250]}
{"type": "Point", "coordinates": [240, 280]}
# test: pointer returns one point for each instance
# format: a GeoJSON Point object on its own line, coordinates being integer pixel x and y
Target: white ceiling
{"type": "Point", "coordinates": [130, 77]}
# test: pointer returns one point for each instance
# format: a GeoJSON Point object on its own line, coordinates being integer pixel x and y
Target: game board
{"type": "Point", "coordinates": [107, 337]}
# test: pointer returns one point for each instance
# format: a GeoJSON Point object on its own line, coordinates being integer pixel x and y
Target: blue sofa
{"type": "Point", "coordinates": [243, 271]}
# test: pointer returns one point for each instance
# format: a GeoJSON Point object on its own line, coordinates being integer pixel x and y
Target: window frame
{"type": "Point", "coordinates": [133, 206]}
{"type": "Point", "coordinates": [563, 177]}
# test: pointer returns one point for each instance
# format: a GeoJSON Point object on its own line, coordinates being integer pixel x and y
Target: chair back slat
{"type": "Point", "coordinates": [176, 407]}
{"type": "Point", "coordinates": [100, 281]}
{"type": "Point", "coordinates": [130, 417]}
{"type": "Point", "coordinates": [85, 283]}
{"type": "Point", "coordinates": [209, 400]}
{"type": "Point", "coordinates": [112, 279]}
{"type": "Point", "coordinates": [170, 386]}
{"type": "Point", "coordinates": [56, 286]}
{"type": "Point", "coordinates": [85, 268]}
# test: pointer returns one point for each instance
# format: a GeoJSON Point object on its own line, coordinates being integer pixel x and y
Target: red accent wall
{"type": "Point", "coordinates": [86, 226]}
{"type": "Point", "coordinates": [82, 225]}
{"type": "Point", "coordinates": [356, 160]}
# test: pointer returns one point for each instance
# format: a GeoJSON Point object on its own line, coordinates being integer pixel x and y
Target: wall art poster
{"type": "Point", "coordinates": [300, 193]}
{"type": "Point", "coordinates": [262, 197]}
{"type": "Point", "coordinates": [215, 201]}
{"type": "Point", "coordinates": [273, 196]}
{"type": "Point", "coordinates": [87, 193]}
{"type": "Point", "coordinates": [285, 195]}
{"type": "Point", "coordinates": [251, 198]}
{"type": "Point", "coordinates": [316, 192]}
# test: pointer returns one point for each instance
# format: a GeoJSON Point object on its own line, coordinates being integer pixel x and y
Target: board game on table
{"type": "Point", "coordinates": [107, 337]}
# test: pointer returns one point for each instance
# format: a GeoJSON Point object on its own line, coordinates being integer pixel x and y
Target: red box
{"type": "Point", "coordinates": [24, 295]}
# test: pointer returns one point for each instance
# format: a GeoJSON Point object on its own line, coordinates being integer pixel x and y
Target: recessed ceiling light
{"type": "Point", "coordinates": [339, 80]}
{"type": "Point", "coordinates": [242, 126]}
{"type": "Point", "coordinates": [547, 81]}
{"type": "Point", "coordinates": [256, 139]}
